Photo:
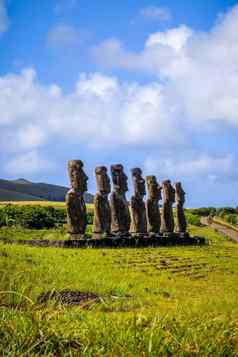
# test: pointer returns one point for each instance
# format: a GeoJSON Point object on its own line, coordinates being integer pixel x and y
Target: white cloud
{"type": "Point", "coordinates": [110, 53]}
{"type": "Point", "coordinates": [63, 35]}
{"type": "Point", "coordinates": [100, 110]}
{"type": "Point", "coordinates": [28, 163]}
{"type": "Point", "coordinates": [29, 136]}
{"type": "Point", "coordinates": [3, 17]}
{"type": "Point", "coordinates": [97, 84]}
{"type": "Point", "coordinates": [195, 83]}
{"type": "Point", "coordinates": [199, 70]}
{"type": "Point", "coordinates": [155, 13]}
{"type": "Point", "coordinates": [202, 167]}
{"type": "Point", "coordinates": [175, 38]}
{"type": "Point", "coordinates": [208, 179]}
{"type": "Point", "coordinates": [162, 51]}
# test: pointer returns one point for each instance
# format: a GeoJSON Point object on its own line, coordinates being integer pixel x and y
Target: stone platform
{"type": "Point", "coordinates": [172, 239]}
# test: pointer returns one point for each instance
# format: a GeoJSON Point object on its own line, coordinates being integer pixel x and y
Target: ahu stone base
{"type": "Point", "coordinates": [170, 239]}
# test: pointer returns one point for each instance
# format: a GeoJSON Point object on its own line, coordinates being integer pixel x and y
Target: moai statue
{"type": "Point", "coordinates": [102, 213]}
{"type": "Point", "coordinates": [152, 205]}
{"type": "Point", "coordinates": [75, 205]}
{"type": "Point", "coordinates": [167, 211]}
{"type": "Point", "coordinates": [181, 224]}
{"type": "Point", "coordinates": [120, 215]}
{"type": "Point", "coordinates": [138, 215]}
{"type": "Point", "coordinates": [172, 201]}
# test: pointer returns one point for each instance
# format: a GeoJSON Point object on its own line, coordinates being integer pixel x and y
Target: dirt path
{"type": "Point", "coordinates": [229, 232]}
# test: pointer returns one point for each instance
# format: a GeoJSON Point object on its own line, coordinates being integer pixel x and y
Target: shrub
{"type": "Point", "coordinates": [204, 211]}
{"type": "Point", "coordinates": [192, 218]}
{"type": "Point", "coordinates": [35, 217]}
{"type": "Point", "coordinates": [232, 218]}
{"type": "Point", "coordinates": [2, 218]}
{"type": "Point", "coordinates": [222, 212]}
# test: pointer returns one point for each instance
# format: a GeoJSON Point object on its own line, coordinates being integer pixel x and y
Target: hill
{"type": "Point", "coordinates": [24, 190]}
{"type": "Point", "coordinates": [7, 195]}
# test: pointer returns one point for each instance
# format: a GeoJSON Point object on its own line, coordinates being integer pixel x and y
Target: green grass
{"type": "Point", "coordinates": [18, 233]}
{"type": "Point", "coordinates": [33, 203]}
{"type": "Point", "coordinates": [225, 223]}
{"type": "Point", "coordinates": [177, 301]}
{"type": "Point", "coordinates": [42, 203]}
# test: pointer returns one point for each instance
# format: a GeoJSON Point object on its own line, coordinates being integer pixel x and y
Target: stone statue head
{"type": "Point", "coordinates": [77, 176]}
{"type": "Point", "coordinates": [119, 178]}
{"type": "Point", "coordinates": [102, 180]}
{"type": "Point", "coordinates": [153, 188]}
{"type": "Point", "coordinates": [166, 190]}
{"type": "Point", "coordinates": [138, 182]}
{"type": "Point", "coordinates": [171, 193]}
{"type": "Point", "coordinates": [179, 193]}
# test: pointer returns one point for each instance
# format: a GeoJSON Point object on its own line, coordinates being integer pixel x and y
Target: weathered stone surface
{"type": "Point", "coordinates": [120, 215]}
{"type": "Point", "coordinates": [138, 215]}
{"type": "Point", "coordinates": [181, 225]}
{"type": "Point", "coordinates": [167, 211]}
{"type": "Point", "coordinates": [75, 205]}
{"type": "Point", "coordinates": [170, 240]}
{"type": "Point", "coordinates": [102, 212]}
{"type": "Point", "coordinates": [152, 205]}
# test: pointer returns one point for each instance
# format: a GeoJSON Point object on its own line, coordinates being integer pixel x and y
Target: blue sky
{"type": "Point", "coordinates": [142, 83]}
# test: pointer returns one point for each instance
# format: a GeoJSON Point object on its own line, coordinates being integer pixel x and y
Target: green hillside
{"type": "Point", "coordinates": [23, 190]}
{"type": "Point", "coordinates": [7, 195]}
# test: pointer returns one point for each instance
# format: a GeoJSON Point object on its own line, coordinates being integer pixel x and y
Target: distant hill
{"type": "Point", "coordinates": [24, 190]}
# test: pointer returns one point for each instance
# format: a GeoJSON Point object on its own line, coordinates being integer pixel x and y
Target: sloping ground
{"type": "Point", "coordinates": [10, 190]}
{"type": "Point", "coordinates": [148, 302]}
{"type": "Point", "coordinates": [224, 223]}
{"type": "Point", "coordinates": [6, 195]}
{"type": "Point", "coordinates": [222, 229]}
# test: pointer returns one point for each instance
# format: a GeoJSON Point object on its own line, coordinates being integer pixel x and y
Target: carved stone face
{"type": "Point", "coordinates": [119, 178]}
{"type": "Point", "coordinates": [138, 182]}
{"type": "Point", "coordinates": [77, 176]}
{"type": "Point", "coordinates": [168, 191]}
{"type": "Point", "coordinates": [179, 192]}
{"type": "Point", "coordinates": [171, 192]}
{"type": "Point", "coordinates": [153, 188]}
{"type": "Point", "coordinates": [165, 187]}
{"type": "Point", "coordinates": [103, 180]}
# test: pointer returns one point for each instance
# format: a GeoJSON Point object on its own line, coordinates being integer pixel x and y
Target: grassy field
{"type": "Point", "coordinates": [41, 203]}
{"type": "Point", "coordinates": [34, 203]}
{"type": "Point", "coordinates": [49, 234]}
{"type": "Point", "coordinates": [178, 301]}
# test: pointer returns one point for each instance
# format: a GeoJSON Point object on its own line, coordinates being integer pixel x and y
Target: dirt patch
{"type": "Point", "coordinates": [68, 297]}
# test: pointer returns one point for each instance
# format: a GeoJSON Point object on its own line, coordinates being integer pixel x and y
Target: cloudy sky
{"type": "Point", "coordinates": [143, 83]}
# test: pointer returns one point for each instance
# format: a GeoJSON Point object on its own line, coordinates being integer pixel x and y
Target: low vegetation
{"type": "Point", "coordinates": [35, 216]}
{"type": "Point", "coordinates": [167, 301]}
{"type": "Point", "coordinates": [34, 203]}
{"type": "Point", "coordinates": [176, 301]}
{"type": "Point", "coordinates": [47, 215]}
{"type": "Point", "coordinates": [228, 215]}
{"type": "Point", "coordinates": [192, 218]}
